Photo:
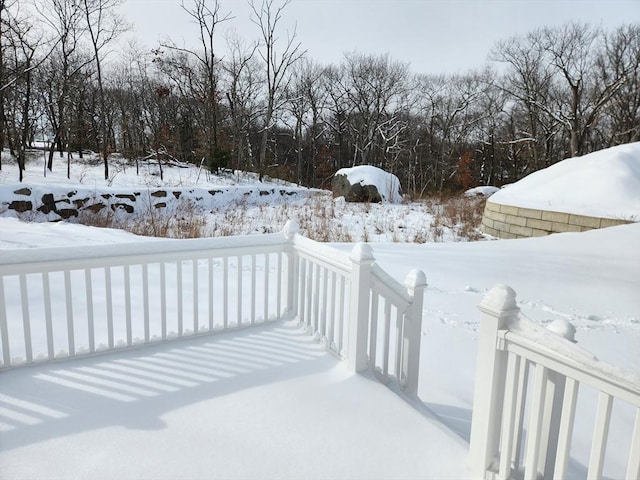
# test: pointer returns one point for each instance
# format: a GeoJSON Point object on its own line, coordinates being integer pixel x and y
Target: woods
{"type": "Point", "coordinates": [266, 106]}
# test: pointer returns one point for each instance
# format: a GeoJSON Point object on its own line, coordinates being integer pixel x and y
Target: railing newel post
{"type": "Point", "coordinates": [358, 329]}
{"type": "Point", "coordinates": [416, 283]}
{"type": "Point", "coordinates": [498, 309]}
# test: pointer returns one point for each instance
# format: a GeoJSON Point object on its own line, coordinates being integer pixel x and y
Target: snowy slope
{"type": "Point", "coordinates": [603, 184]}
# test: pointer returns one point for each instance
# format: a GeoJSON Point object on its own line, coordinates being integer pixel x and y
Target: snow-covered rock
{"type": "Point", "coordinates": [482, 191]}
{"type": "Point", "coordinates": [366, 183]}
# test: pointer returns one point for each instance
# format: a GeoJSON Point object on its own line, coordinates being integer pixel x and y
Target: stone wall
{"type": "Point", "coordinates": [53, 203]}
{"type": "Point", "coordinates": [505, 221]}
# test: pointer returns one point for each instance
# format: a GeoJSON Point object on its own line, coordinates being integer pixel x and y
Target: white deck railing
{"type": "Point", "coordinates": [506, 445]}
{"type": "Point", "coordinates": [385, 317]}
{"type": "Point", "coordinates": [64, 302]}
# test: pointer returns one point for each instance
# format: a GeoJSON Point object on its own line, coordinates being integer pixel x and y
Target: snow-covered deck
{"type": "Point", "coordinates": [263, 402]}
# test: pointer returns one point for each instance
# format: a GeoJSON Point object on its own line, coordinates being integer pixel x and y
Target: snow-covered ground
{"type": "Point", "coordinates": [233, 406]}
{"type": "Point", "coordinates": [239, 205]}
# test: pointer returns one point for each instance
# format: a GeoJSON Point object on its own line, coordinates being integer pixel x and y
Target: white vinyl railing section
{"type": "Point", "coordinates": [117, 296]}
{"type": "Point", "coordinates": [525, 368]}
{"type": "Point", "coordinates": [385, 317]}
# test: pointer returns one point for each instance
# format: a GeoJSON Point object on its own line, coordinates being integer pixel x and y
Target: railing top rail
{"type": "Point", "coordinates": [399, 292]}
{"type": "Point", "coordinates": [328, 256]}
{"type": "Point", "coordinates": [552, 351]}
{"type": "Point", "coordinates": [27, 260]}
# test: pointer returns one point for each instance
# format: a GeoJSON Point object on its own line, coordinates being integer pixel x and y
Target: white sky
{"type": "Point", "coordinates": [435, 36]}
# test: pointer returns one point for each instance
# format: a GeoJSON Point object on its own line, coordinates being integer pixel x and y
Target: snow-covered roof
{"type": "Point", "coordinates": [603, 184]}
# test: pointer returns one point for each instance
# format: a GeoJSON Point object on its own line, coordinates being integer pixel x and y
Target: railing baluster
{"type": "Point", "coordinates": [633, 465]}
{"type": "Point", "coordinates": [341, 307]}
{"type": "Point", "coordinates": [600, 434]}
{"type": "Point", "coordinates": [210, 297]}
{"type": "Point", "coordinates": [373, 334]}
{"type": "Point", "coordinates": [46, 291]}
{"type": "Point", "coordinates": [163, 300]}
{"type": "Point", "coordinates": [302, 292]}
{"type": "Point", "coordinates": [252, 296]}
{"type": "Point", "coordinates": [196, 323]}
{"type": "Point", "coordinates": [535, 423]}
{"type": "Point", "coordinates": [69, 307]}
{"type": "Point", "coordinates": [566, 427]}
{"type": "Point", "coordinates": [509, 416]}
{"type": "Point", "coordinates": [145, 301]}
{"type": "Point", "coordinates": [331, 307]}
{"type": "Point", "coordinates": [279, 285]}
{"type": "Point", "coordinates": [109, 298]}
{"type": "Point", "coordinates": [239, 297]}
{"type": "Point", "coordinates": [225, 292]}
{"type": "Point", "coordinates": [309, 300]}
{"type": "Point", "coordinates": [325, 303]}
{"type": "Point", "coordinates": [88, 288]}
{"type": "Point", "coordinates": [387, 337]}
{"type": "Point", "coordinates": [179, 292]}
{"type": "Point", "coordinates": [26, 320]}
{"type": "Point", "coordinates": [316, 298]}
{"type": "Point", "coordinates": [127, 303]}
{"type": "Point", "coordinates": [399, 345]}
{"type": "Point", "coordinates": [518, 432]}
{"type": "Point", "coordinates": [4, 329]}
{"type": "Point", "coordinates": [265, 314]}
{"type": "Point", "coordinates": [69, 303]}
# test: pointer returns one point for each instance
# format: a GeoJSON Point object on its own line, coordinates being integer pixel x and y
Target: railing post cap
{"type": "Point", "coordinates": [362, 252]}
{"type": "Point", "coordinates": [416, 278]}
{"type": "Point", "coordinates": [290, 229]}
{"type": "Point", "coordinates": [500, 298]}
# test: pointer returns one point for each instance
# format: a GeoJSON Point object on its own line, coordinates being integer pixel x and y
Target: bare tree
{"type": "Point", "coordinates": [204, 80]}
{"type": "Point", "coordinates": [528, 81]}
{"type": "Point", "coordinates": [621, 58]}
{"type": "Point", "coordinates": [376, 88]}
{"type": "Point", "coordinates": [20, 44]}
{"type": "Point", "coordinates": [266, 17]}
{"type": "Point", "coordinates": [65, 19]}
{"type": "Point", "coordinates": [572, 50]}
{"type": "Point", "coordinates": [308, 98]}
{"type": "Point", "coordinates": [103, 25]}
{"type": "Point", "coordinates": [242, 92]}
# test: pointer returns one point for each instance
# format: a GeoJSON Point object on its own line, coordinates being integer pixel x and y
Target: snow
{"type": "Point", "coordinates": [231, 203]}
{"type": "Point", "coordinates": [269, 402]}
{"type": "Point", "coordinates": [603, 184]}
{"type": "Point", "coordinates": [563, 328]}
{"type": "Point", "coordinates": [387, 184]}
{"type": "Point", "coordinates": [482, 191]}
{"type": "Point", "coordinates": [15, 233]}
{"type": "Point", "coordinates": [211, 395]}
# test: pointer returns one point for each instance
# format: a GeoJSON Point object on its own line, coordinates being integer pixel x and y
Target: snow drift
{"type": "Point", "coordinates": [602, 184]}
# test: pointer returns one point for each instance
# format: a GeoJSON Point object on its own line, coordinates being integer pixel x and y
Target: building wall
{"type": "Point", "coordinates": [505, 221]}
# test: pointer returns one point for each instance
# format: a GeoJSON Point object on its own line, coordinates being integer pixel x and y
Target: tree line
{"type": "Point", "coordinates": [265, 106]}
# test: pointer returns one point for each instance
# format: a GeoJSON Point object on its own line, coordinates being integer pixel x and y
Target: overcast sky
{"type": "Point", "coordinates": [434, 36]}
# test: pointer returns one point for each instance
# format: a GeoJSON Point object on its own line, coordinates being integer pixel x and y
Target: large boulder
{"type": "Point", "coordinates": [366, 184]}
